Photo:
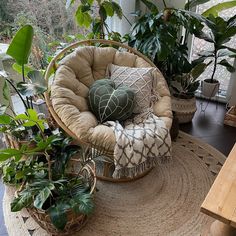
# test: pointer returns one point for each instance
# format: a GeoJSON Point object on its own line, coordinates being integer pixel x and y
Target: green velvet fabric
{"type": "Point", "coordinates": [109, 103]}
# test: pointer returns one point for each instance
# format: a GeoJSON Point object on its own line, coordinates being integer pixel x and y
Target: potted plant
{"type": "Point", "coordinates": [183, 89]}
{"type": "Point", "coordinates": [58, 200]}
{"type": "Point", "coordinates": [221, 31]}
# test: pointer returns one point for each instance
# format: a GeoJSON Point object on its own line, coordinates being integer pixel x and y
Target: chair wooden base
{"type": "Point", "coordinates": [104, 172]}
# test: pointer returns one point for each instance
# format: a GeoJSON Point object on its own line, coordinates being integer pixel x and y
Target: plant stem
{"type": "Point", "coordinates": [214, 68]}
{"type": "Point", "coordinates": [164, 3]}
{"type": "Point", "coordinates": [127, 19]}
{"type": "Point", "coordinates": [25, 105]}
{"type": "Point", "coordinates": [49, 166]}
{"type": "Point", "coordinates": [23, 73]}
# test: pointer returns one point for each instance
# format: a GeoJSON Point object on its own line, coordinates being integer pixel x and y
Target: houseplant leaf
{"type": "Point", "coordinates": [226, 64]}
{"type": "Point", "coordinates": [16, 67]}
{"type": "Point", "coordinates": [5, 119]}
{"type": "Point", "coordinates": [198, 70]}
{"type": "Point", "coordinates": [193, 3]}
{"type": "Point", "coordinates": [219, 7]}
{"type": "Point", "coordinates": [152, 7]}
{"type": "Point", "coordinates": [41, 197]}
{"type": "Point", "coordinates": [58, 216]}
{"type": "Point", "coordinates": [24, 200]}
{"type": "Point", "coordinates": [20, 46]}
{"type": "Point", "coordinates": [38, 85]}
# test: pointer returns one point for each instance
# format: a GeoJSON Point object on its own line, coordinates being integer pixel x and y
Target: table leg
{"type": "Point", "coordinates": [220, 229]}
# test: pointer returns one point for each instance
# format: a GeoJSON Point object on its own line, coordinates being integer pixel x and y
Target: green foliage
{"type": "Point", "coordinates": [221, 32]}
{"type": "Point", "coordinates": [193, 3]}
{"type": "Point", "coordinates": [218, 8]}
{"type": "Point", "coordinates": [34, 86]}
{"type": "Point", "coordinates": [85, 15]}
{"type": "Point", "coordinates": [21, 44]}
{"type": "Point", "coordinates": [185, 85]}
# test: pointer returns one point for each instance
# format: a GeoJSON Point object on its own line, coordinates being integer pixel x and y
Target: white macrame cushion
{"type": "Point", "coordinates": [139, 79]}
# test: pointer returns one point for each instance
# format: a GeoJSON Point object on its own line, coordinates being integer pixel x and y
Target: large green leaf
{"type": "Point", "coordinates": [41, 197]}
{"type": "Point", "coordinates": [108, 8]}
{"type": "Point", "coordinates": [198, 70]}
{"type": "Point", "coordinates": [151, 6]}
{"type": "Point", "coordinates": [219, 7]}
{"type": "Point", "coordinates": [20, 46]}
{"type": "Point", "coordinates": [117, 9]}
{"type": "Point", "coordinates": [227, 65]}
{"type": "Point", "coordinates": [193, 3]}
{"type": "Point", "coordinates": [37, 85]}
{"type": "Point", "coordinates": [4, 119]}
{"type": "Point", "coordinates": [58, 216]}
{"type": "Point", "coordinates": [24, 200]}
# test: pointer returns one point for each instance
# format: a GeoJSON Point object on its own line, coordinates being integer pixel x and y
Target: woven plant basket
{"type": "Point", "coordinates": [184, 109]}
{"type": "Point", "coordinates": [75, 222]}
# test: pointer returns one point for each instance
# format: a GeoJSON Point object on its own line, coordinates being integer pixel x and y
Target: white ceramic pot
{"type": "Point", "coordinates": [184, 109]}
{"type": "Point", "coordinates": [210, 89]}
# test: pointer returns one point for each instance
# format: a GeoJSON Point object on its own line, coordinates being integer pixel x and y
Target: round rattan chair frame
{"type": "Point", "coordinates": [52, 68]}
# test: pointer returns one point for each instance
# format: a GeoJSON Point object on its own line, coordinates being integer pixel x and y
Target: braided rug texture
{"type": "Point", "coordinates": [166, 202]}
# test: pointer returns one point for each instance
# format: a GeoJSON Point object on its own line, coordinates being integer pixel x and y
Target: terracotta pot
{"type": "Point", "coordinates": [184, 109]}
{"type": "Point", "coordinates": [210, 89]}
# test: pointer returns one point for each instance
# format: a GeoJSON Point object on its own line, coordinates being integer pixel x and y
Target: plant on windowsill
{"type": "Point", "coordinates": [221, 32]}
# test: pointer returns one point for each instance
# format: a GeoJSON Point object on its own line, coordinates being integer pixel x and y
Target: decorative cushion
{"type": "Point", "coordinates": [110, 103]}
{"type": "Point", "coordinates": [139, 79]}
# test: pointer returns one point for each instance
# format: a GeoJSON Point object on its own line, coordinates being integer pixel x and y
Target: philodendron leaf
{"type": "Point", "coordinates": [42, 197]}
{"type": "Point", "coordinates": [24, 200]}
{"type": "Point", "coordinates": [20, 46]}
{"type": "Point", "coordinates": [58, 216]}
{"type": "Point", "coordinates": [193, 3]}
{"type": "Point", "coordinates": [219, 7]}
{"type": "Point", "coordinates": [117, 9]}
{"type": "Point", "coordinates": [226, 64]}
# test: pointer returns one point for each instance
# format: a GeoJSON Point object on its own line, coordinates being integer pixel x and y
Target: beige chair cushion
{"type": "Point", "coordinates": [69, 91]}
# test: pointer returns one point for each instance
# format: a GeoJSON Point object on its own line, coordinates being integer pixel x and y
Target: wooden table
{"type": "Point", "coordinates": [220, 201]}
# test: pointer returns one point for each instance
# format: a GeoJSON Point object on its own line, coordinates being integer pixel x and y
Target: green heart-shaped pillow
{"type": "Point", "coordinates": [110, 103]}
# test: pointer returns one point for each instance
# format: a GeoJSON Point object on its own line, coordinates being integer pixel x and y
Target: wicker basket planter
{"type": "Point", "coordinates": [184, 109]}
{"type": "Point", "coordinates": [75, 222]}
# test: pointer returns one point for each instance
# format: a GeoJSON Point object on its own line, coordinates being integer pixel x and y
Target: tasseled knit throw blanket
{"type": "Point", "coordinates": [141, 143]}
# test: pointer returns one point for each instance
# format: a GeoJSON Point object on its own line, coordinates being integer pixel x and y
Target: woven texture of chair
{"type": "Point", "coordinates": [76, 68]}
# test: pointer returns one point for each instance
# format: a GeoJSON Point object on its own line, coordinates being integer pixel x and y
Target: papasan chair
{"type": "Point", "coordinates": [76, 68]}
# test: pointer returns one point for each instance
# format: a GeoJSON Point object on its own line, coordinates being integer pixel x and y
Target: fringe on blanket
{"type": "Point", "coordinates": [142, 167]}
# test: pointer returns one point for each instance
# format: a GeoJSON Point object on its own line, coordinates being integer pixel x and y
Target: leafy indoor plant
{"type": "Point", "coordinates": [47, 189]}
{"type": "Point", "coordinates": [38, 160]}
{"type": "Point", "coordinates": [183, 89]}
{"type": "Point", "coordinates": [221, 31]}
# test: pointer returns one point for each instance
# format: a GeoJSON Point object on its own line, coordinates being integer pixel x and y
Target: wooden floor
{"type": "Point", "coordinates": [207, 126]}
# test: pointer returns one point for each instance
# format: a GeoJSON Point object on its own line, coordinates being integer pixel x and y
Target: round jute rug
{"type": "Point", "coordinates": [164, 202]}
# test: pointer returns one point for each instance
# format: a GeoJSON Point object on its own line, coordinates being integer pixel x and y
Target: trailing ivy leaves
{"type": "Point", "coordinates": [20, 46]}
{"type": "Point", "coordinates": [37, 84]}
{"type": "Point", "coordinates": [31, 119]}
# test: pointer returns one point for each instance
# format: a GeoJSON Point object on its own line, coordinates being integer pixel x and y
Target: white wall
{"type": "Point", "coordinates": [231, 93]}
